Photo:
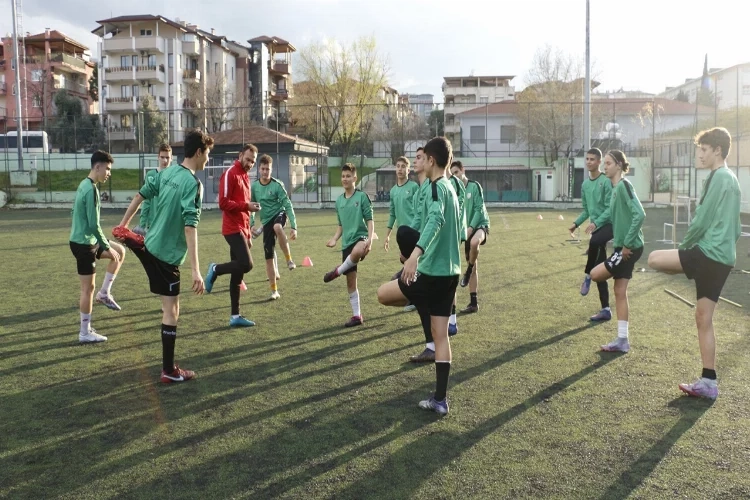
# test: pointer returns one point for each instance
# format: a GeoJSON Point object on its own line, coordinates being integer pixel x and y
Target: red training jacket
{"type": "Point", "coordinates": [234, 195]}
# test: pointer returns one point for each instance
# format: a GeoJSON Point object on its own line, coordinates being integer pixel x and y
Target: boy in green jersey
{"type": "Point", "coordinates": [627, 219]}
{"type": "Point", "coordinates": [596, 192]}
{"type": "Point", "coordinates": [276, 210]}
{"type": "Point", "coordinates": [356, 227]}
{"type": "Point", "coordinates": [709, 250]}
{"type": "Point", "coordinates": [477, 229]}
{"type": "Point", "coordinates": [402, 199]}
{"type": "Point", "coordinates": [165, 159]}
{"type": "Point", "coordinates": [88, 244]}
{"type": "Point", "coordinates": [178, 194]}
{"type": "Point", "coordinates": [431, 272]}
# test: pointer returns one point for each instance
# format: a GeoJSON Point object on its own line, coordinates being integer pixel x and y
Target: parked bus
{"type": "Point", "coordinates": [34, 141]}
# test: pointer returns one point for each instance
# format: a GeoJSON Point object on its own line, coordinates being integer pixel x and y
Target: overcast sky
{"type": "Point", "coordinates": [635, 44]}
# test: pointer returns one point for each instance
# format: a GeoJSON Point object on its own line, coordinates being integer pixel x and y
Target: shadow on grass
{"type": "Point", "coordinates": [691, 409]}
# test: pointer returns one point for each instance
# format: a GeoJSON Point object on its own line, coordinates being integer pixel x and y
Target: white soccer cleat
{"type": "Point", "coordinates": [108, 301]}
{"type": "Point", "coordinates": [275, 295]}
{"type": "Point", "coordinates": [91, 337]}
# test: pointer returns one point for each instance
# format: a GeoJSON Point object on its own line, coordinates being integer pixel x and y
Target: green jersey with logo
{"type": "Point", "coordinates": [273, 200]}
{"type": "Point", "coordinates": [476, 211]}
{"type": "Point", "coordinates": [441, 234]}
{"type": "Point", "coordinates": [595, 197]}
{"type": "Point", "coordinates": [86, 228]}
{"type": "Point", "coordinates": [627, 216]}
{"type": "Point", "coordinates": [353, 213]}
{"type": "Point", "coordinates": [402, 204]}
{"type": "Point", "coordinates": [145, 219]}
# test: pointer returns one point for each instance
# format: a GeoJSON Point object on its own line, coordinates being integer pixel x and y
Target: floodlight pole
{"type": "Point", "coordinates": [19, 118]}
{"type": "Point", "coordinates": [587, 88]}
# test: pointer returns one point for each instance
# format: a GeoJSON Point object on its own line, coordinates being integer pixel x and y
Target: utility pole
{"type": "Point", "coordinates": [19, 118]}
{"type": "Point", "coordinates": [587, 88]}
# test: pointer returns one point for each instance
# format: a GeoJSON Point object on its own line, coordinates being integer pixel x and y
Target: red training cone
{"type": "Point", "coordinates": [306, 262]}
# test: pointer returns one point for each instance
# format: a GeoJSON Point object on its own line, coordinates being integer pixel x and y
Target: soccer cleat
{"type": "Point", "coordinates": [452, 329]}
{"type": "Point", "coordinates": [586, 285]}
{"type": "Point", "coordinates": [700, 389]}
{"type": "Point", "coordinates": [617, 345]}
{"type": "Point", "coordinates": [176, 375]}
{"type": "Point", "coordinates": [130, 239]}
{"type": "Point", "coordinates": [91, 337]}
{"type": "Point", "coordinates": [107, 300]}
{"type": "Point", "coordinates": [210, 277]}
{"type": "Point", "coordinates": [240, 321]}
{"type": "Point", "coordinates": [291, 265]}
{"type": "Point", "coordinates": [603, 315]}
{"type": "Point", "coordinates": [275, 295]}
{"type": "Point", "coordinates": [439, 407]}
{"type": "Point", "coordinates": [331, 275]}
{"type": "Point", "coordinates": [426, 356]}
{"type": "Point", "coordinates": [471, 308]}
{"type": "Point", "coordinates": [466, 277]}
{"type": "Point", "coordinates": [410, 308]}
{"type": "Point", "coordinates": [355, 321]}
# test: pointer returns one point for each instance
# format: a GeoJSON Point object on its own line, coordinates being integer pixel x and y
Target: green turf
{"type": "Point", "coordinates": [68, 180]}
{"type": "Point", "coordinates": [299, 407]}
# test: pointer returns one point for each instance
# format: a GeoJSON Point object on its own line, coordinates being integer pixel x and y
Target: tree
{"type": "Point", "coordinates": [217, 104]}
{"type": "Point", "coordinates": [706, 97]}
{"type": "Point", "coordinates": [154, 125]}
{"type": "Point", "coordinates": [436, 122]}
{"type": "Point", "coordinates": [345, 82]}
{"type": "Point", "coordinates": [682, 96]}
{"type": "Point", "coordinates": [73, 129]}
{"type": "Point", "coordinates": [94, 84]}
{"type": "Point", "coordinates": [551, 106]}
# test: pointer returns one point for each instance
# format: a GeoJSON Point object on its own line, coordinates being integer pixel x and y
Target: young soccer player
{"type": "Point", "coordinates": [276, 209]}
{"type": "Point", "coordinates": [627, 218]}
{"type": "Point", "coordinates": [478, 227]}
{"type": "Point", "coordinates": [88, 244]}
{"type": "Point", "coordinates": [165, 159]}
{"type": "Point", "coordinates": [236, 205]}
{"type": "Point", "coordinates": [596, 193]}
{"type": "Point", "coordinates": [458, 186]}
{"type": "Point", "coordinates": [354, 213]}
{"type": "Point", "coordinates": [173, 236]}
{"type": "Point", "coordinates": [708, 252]}
{"type": "Point", "coordinates": [431, 272]}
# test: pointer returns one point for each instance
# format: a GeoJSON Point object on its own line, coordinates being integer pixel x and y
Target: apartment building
{"type": "Point", "coordinates": [50, 62]}
{"type": "Point", "coordinates": [422, 104]}
{"type": "Point", "coordinates": [730, 86]}
{"type": "Point", "coordinates": [271, 88]}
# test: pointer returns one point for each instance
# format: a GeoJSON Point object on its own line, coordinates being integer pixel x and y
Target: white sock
{"type": "Point", "coordinates": [235, 316]}
{"type": "Point", "coordinates": [85, 323]}
{"type": "Point", "coordinates": [430, 346]}
{"type": "Point", "coordinates": [348, 264]}
{"type": "Point", "coordinates": [709, 382]}
{"type": "Point", "coordinates": [109, 278]}
{"type": "Point", "coordinates": [452, 319]}
{"type": "Point", "coordinates": [622, 329]}
{"type": "Point", "coordinates": [608, 309]}
{"type": "Point", "coordinates": [275, 262]}
{"type": "Point", "coordinates": [354, 301]}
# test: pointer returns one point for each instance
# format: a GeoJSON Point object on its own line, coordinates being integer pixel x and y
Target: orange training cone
{"type": "Point", "coordinates": [243, 286]}
{"type": "Point", "coordinates": [306, 262]}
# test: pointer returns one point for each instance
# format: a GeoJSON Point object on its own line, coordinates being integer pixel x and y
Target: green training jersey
{"type": "Point", "coordinates": [86, 228]}
{"type": "Point", "coordinates": [441, 236]}
{"type": "Point", "coordinates": [178, 196]}
{"type": "Point", "coordinates": [145, 219]}
{"type": "Point", "coordinates": [353, 214]}
{"type": "Point", "coordinates": [595, 196]}
{"type": "Point", "coordinates": [273, 200]}
{"type": "Point", "coordinates": [418, 220]}
{"type": "Point", "coordinates": [627, 216]}
{"type": "Point", "coordinates": [716, 226]}
{"type": "Point", "coordinates": [402, 204]}
{"type": "Point", "coordinates": [476, 211]}
{"type": "Point", "coordinates": [460, 189]}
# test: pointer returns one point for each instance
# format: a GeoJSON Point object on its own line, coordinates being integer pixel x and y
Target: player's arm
{"type": "Point", "coordinates": [638, 215]}
{"type": "Point", "coordinates": [191, 204]}
{"type": "Point", "coordinates": [149, 190]}
{"type": "Point", "coordinates": [227, 189]}
{"type": "Point", "coordinates": [703, 215]}
{"type": "Point", "coordinates": [332, 242]}
{"type": "Point", "coordinates": [132, 209]}
{"type": "Point", "coordinates": [94, 222]}
{"type": "Point", "coordinates": [367, 216]}
{"type": "Point", "coordinates": [477, 205]}
{"type": "Point", "coordinates": [286, 203]}
{"type": "Point", "coordinates": [433, 223]}
{"type": "Point", "coordinates": [606, 216]}
{"type": "Point", "coordinates": [583, 217]}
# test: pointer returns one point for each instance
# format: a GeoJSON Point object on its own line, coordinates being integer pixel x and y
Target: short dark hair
{"type": "Point", "coordinates": [596, 152]}
{"type": "Point", "coordinates": [620, 159]}
{"type": "Point", "coordinates": [420, 148]}
{"type": "Point", "coordinates": [440, 149]}
{"type": "Point", "coordinates": [403, 159]}
{"type": "Point", "coordinates": [265, 160]}
{"type": "Point", "coordinates": [457, 163]}
{"type": "Point", "coordinates": [717, 137]}
{"type": "Point", "coordinates": [249, 146]}
{"type": "Point", "coordinates": [100, 156]}
{"type": "Point", "coordinates": [350, 167]}
{"type": "Point", "coordinates": [165, 147]}
{"type": "Point", "coordinates": [197, 139]}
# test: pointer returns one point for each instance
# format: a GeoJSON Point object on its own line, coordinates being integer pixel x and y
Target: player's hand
{"type": "Point", "coordinates": [253, 206]}
{"type": "Point", "coordinates": [387, 244]}
{"type": "Point", "coordinates": [626, 253]}
{"type": "Point", "coordinates": [331, 243]}
{"type": "Point", "coordinates": [292, 234]}
{"type": "Point", "coordinates": [198, 286]}
{"type": "Point", "coordinates": [572, 228]}
{"type": "Point", "coordinates": [368, 246]}
{"type": "Point", "coordinates": [410, 271]}
{"type": "Point", "coordinates": [591, 228]}
{"type": "Point", "coordinates": [249, 243]}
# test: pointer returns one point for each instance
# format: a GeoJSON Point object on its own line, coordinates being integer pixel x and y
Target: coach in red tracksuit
{"type": "Point", "coordinates": [236, 205]}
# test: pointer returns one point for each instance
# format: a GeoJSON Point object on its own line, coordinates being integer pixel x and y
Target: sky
{"type": "Point", "coordinates": [643, 45]}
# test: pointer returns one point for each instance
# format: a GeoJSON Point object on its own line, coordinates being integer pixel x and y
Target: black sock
{"type": "Point", "coordinates": [442, 370]}
{"type": "Point", "coordinates": [168, 336]}
{"type": "Point", "coordinates": [453, 309]}
{"type": "Point", "coordinates": [709, 374]}
{"type": "Point", "coordinates": [424, 318]}
{"type": "Point", "coordinates": [473, 296]}
{"type": "Point", "coordinates": [469, 269]}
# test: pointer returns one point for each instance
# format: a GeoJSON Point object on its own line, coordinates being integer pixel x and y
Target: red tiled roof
{"type": "Point", "coordinates": [55, 36]}
{"type": "Point", "coordinates": [271, 39]}
{"type": "Point", "coordinates": [254, 135]}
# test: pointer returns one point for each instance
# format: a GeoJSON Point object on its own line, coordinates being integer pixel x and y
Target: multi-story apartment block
{"type": "Point", "coordinates": [52, 62]}
{"type": "Point", "coordinates": [422, 104]}
{"type": "Point", "coordinates": [271, 87]}
{"type": "Point", "coordinates": [464, 93]}
{"type": "Point", "coordinates": [730, 87]}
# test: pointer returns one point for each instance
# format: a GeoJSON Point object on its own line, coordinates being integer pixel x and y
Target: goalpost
{"type": "Point", "coordinates": [682, 205]}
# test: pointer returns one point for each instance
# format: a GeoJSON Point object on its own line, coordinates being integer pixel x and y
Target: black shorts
{"type": "Point", "coordinates": [467, 243]}
{"type": "Point", "coordinates": [407, 239]}
{"type": "Point", "coordinates": [163, 278]}
{"type": "Point", "coordinates": [269, 235]}
{"type": "Point", "coordinates": [622, 269]}
{"type": "Point", "coordinates": [348, 250]}
{"type": "Point", "coordinates": [86, 257]}
{"type": "Point", "coordinates": [434, 293]}
{"type": "Point", "coordinates": [708, 274]}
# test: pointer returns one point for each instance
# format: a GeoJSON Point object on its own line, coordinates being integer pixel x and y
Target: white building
{"type": "Point", "coordinates": [729, 85]}
{"type": "Point", "coordinates": [422, 104]}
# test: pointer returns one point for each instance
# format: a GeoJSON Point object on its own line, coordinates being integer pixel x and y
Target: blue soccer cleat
{"type": "Point", "coordinates": [210, 277]}
{"type": "Point", "coordinates": [240, 322]}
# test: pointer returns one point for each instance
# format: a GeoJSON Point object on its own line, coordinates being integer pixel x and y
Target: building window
{"type": "Point", "coordinates": [36, 101]}
{"type": "Point", "coordinates": [507, 134]}
{"type": "Point", "coordinates": [146, 32]}
{"type": "Point", "coordinates": [36, 75]}
{"type": "Point", "coordinates": [125, 61]}
{"type": "Point", "coordinates": [171, 90]}
{"type": "Point", "coordinates": [125, 91]}
{"type": "Point", "coordinates": [476, 134]}
{"type": "Point", "coordinates": [14, 89]}
{"type": "Point", "coordinates": [484, 100]}
{"type": "Point", "coordinates": [171, 120]}
{"type": "Point", "coordinates": [225, 70]}
{"type": "Point", "coordinates": [179, 120]}
{"type": "Point", "coordinates": [151, 90]}
{"type": "Point", "coordinates": [125, 121]}
{"type": "Point", "coordinates": [179, 91]}
{"type": "Point", "coordinates": [232, 73]}
{"type": "Point", "coordinates": [135, 60]}
{"type": "Point", "coordinates": [746, 90]}
{"type": "Point", "coordinates": [170, 60]}
{"type": "Point", "coordinates": [216, 68]}
{"type": "Point", "coordinates": [136, 91]}
{"type": "Point", "coordinates": [152, 61]}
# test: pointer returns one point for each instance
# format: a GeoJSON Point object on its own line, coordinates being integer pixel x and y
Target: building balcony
{"type": "Point", "coordinates": [278, 94]}
{"type": "Point", "coordinates": [134, 73]}
{"type": "Point", "coordinates": [121, 133]}
{"type": "Point", "coordinates": [76, 88]}
{"type": "Point", "coordinates": [453, 128]}
{"type": "Point", "coordinates": [279, 66]}
{"type": "Point", "coordinates": [150, 73]}
{"type": "Point", "coordinates": [66, 61]}
{"type": "Point", "coordinates": [190, 104]}
{"type": "Point", "coordinates": [3, 88]}
{"type": "Point", "coordinates": [191, 45]}
{"type": "Point", "coordinates": [119, 104]}
{"type": "Point", "coordinates": [191, 75]}
{"type": "Point", "coordinates": [151, 44]}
